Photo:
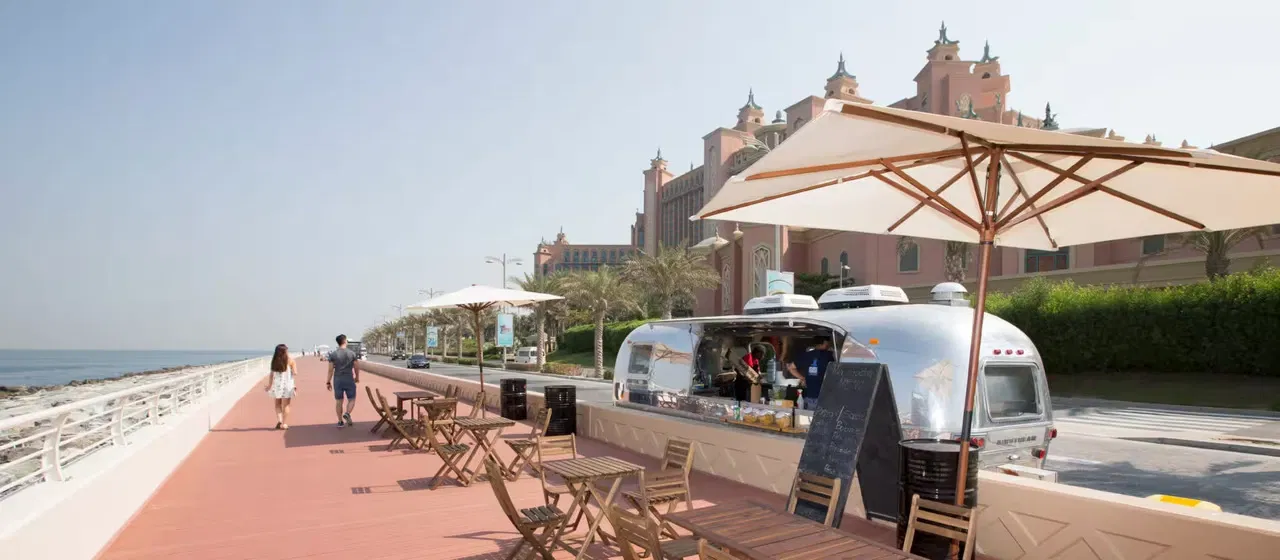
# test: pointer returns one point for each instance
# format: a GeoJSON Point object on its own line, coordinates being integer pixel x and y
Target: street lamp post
{"type": "Point", "coordinates": [504, 261]}
{"type": "Point", "coordinates": [844, 270]}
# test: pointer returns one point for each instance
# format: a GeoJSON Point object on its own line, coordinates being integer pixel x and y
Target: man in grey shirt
{"type": "Point", "coordinates": [344, 373]}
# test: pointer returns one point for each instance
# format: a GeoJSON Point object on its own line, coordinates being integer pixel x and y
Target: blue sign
{"type": "Point", "coordinates": [433, 337]}
{"type": "Point", "coordinates": [506, 330]}
{"type": "Point", "coordinates": [778, 282]}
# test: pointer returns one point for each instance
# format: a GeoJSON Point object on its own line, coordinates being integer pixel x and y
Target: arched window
{"type": "Point", "coordinates": [826, 269]}
{"type": "Point", "coordinates": [726, 288]}
{"type": "Point", "coordinates": [760, 260]}
{"type": "Point", "coordinates": [985, 75]}
{"type": "Point", "coordinates": [909, 258]}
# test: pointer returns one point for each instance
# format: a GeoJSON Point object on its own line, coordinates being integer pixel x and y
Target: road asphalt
{"type": "Point", "coordinates": [1090, 450]}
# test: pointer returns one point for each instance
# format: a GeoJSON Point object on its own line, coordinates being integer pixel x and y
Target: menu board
{"type": "Point", "coordinates": [855, 429]}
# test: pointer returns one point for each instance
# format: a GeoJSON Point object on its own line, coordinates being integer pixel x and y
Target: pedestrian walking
{"type": "Point", "coordinates": [281, 385]}
{"type": "Point", "coordinates": [344, 373]}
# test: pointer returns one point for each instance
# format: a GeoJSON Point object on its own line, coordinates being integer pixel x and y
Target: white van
{"type": "Point", "coordinates": [526, 355]}
{"type": "Point", "coordinates": [682, 366]}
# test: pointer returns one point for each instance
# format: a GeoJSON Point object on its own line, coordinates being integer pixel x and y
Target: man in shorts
{"type": "Point", "coordinates": [344, 373]}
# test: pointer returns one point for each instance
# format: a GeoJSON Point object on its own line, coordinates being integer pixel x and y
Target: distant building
{"type": "Point", "coordinates": [563, 256]}
{"type": "Point", "coordinates": [946, 84]}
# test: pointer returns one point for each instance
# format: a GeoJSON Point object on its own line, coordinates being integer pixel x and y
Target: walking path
{"type": "Point", "coordinates": [317, 491]}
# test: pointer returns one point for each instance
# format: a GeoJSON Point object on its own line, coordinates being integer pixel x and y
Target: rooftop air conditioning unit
{"type": "Point", "coordinates": [862, 296]}
{"type": "Point", "coordinates": [949, 293]}
{"type": "Point", "coordinates": [779, 303]}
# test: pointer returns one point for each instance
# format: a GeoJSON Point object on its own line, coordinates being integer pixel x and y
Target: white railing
{"type": "Point", "coordinates": [36, 447]}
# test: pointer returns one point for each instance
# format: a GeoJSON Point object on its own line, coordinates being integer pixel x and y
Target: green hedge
{"type": "Point", "coordinates": [1228, 326]}
{"type": "Point", "coordinates": [582, 338]}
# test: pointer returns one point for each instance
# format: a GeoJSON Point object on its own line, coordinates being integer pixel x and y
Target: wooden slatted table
{"type": "Point", "coordinates": [760, 532]}
{"type": "Point", "coordinates": [412, 396]}
{"type": "Point", "coordinates": [581, 476]}
{"type": "Point", "coordinates": [479, 429]}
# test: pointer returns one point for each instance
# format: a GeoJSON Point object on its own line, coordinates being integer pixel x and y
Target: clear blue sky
{"type": "Point", "coordinates": [234, 174]}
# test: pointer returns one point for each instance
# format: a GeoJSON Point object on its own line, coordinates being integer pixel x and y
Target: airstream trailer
{"type": "Point", "coordinates": [688, 366]}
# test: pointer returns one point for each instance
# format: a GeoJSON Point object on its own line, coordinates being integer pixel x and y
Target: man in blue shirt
{"type": "Point", "coordinates": [810, 367]}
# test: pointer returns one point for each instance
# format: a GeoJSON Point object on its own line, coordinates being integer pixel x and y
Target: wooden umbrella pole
{"type": "Point", "coordinates": [479, 356]}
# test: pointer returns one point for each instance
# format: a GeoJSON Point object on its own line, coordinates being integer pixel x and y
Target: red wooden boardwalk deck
{"type": "Point", "coordinates": [317, 491]}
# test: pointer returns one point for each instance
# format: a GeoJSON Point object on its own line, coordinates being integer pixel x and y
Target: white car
{"type": "Point", "coordinates": [526, 355]}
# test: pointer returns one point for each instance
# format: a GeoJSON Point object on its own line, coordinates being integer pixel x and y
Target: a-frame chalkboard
{"type": "Point", "coordinates": [855, 428]}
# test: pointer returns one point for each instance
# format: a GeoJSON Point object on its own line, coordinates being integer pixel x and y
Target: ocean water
{"type": "Point", "coordinates": [57, 367]}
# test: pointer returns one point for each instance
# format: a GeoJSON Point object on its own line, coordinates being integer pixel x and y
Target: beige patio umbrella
{"type": "Point", "coordinates": [477, 299]}
{"type": "Point", "coordinates": [870, 169]}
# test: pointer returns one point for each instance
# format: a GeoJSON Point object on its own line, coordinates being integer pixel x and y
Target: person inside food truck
{"type": "Point", "coordinates": [810, 367]}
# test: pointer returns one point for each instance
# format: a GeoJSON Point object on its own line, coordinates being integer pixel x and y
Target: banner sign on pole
{"type": "Point", "coordinates": [778, 282]}
{"type": "Point", "coordinates": [433, 337]}
{"type": "Point", "coordinates": [506, 330]}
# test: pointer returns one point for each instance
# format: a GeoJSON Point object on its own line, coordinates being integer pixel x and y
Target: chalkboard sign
{"type": "Point", "coordinates": [855, 428]}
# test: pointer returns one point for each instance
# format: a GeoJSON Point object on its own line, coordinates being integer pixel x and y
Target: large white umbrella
{"type": "Point", "coordinates": [858, 167]}
{"type": "Point", "coordinates": [477, 299]}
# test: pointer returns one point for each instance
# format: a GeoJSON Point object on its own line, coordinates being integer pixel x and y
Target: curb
{"type": "Point", "coordinates": [1089, 402]}
{"type": "Point", "coordinates": [1211, 445]}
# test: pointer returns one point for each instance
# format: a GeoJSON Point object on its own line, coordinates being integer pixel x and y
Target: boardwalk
{"type": "Point", "coordinates": [316, 491]}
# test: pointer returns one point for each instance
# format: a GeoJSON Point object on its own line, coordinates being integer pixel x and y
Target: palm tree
{"type": "Point", "coordinates": [544, 284]}
{"type": "Point", "coordinates": [670, 276]}
{"type": "Point", "coordinates": [1215, 245]}
{"type": "Point", "coordinates": [955, 258]}
{"type": "Point", "coordinates": [598, 292]}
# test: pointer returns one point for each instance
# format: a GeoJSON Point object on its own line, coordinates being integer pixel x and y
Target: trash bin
{"type": "Point", "coordinates": [514, 404]}
{"type": "Point", "coordinates": [929, 469]}
{"type": "Point", "coordinates": [562, 403]}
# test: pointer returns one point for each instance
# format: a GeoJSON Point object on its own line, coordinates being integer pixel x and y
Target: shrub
{"type": "Point", "coordinates": [465, 361]}
{"type": "Point", "coordinates": [1225, 326]}
{"type": "Point", "coordinates": [522, 367]}
{"type": "Point", "coordinates": [562, 369]}
{"type": "Point", "coordinates": [582, 338]}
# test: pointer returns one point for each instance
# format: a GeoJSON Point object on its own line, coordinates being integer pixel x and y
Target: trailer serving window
{"type": "Point", "coordinates": [1011, 391]}
{"type": "Point", "coordinates": [641, 355]}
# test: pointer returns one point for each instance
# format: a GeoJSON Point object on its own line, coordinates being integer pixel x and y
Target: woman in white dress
{"type": "Point", "coordinates": [281, 386]}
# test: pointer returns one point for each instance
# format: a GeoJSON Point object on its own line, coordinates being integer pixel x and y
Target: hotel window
{"type": "Point", "coordinates": [576, 256]}
{"type": "Point", "coordinates": [1153, 245]}
{"type": "Point", "coordinates": [1046, 261]}
{"type": "Point", "coordinates": [546, 269]}
{"type": "Point", "coordinates": [825, 267]}
{"type": "Point", "coordinates": [909, 259]}
{"type": "Point", "coordinates": [613, 255]}
{"type": "Point", "coordinates": [594, 256]}
{"type": "Point", "coordinates": [761, 259]}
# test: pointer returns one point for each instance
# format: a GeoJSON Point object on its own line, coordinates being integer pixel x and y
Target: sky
{"type": "Point", "coordinates": [233, 174]}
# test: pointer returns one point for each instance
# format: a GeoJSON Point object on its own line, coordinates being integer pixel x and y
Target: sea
{"type": "Point", "coordinates": [59, 367]}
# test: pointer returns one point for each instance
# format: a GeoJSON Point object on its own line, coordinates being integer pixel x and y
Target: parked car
{"type": "Point", "coordinates": [527, 355]}
{"type": "Point", "coordinates": [418, 361]}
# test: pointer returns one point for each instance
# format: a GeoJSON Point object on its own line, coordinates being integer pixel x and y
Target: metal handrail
{"type": "Point", "coordinates": [108, 421]}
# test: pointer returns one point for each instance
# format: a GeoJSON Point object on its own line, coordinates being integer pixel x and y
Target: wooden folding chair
{"type": "Point", "coordinates": [451, 456]}
{"type": "Point", "coordinates": [439, 414]}
{"type": "Point", "coordinates": [536, 525]}
{"type": "Point", "coordinates": [945, 520]}
{"type": "Point", "coordinates": [632, 530]}
{"type": "Point", "coordinates": [708, 552]}
{"type": "Point", "coordinates": [408, 431]}
{"type": "Point", "coordinates": [551, 448]}
{"type": "Point", "coordinates": [816, 489]}
{"type": "Point", "coordinates": [670, 485]}
{"type": "Point", "coordinates": [451, 392]}
{"type": "Point", "coordinates": [524, 447]}
{"type": "Point", "coordinates": [478, 406]}
{"type": "Point", "coordinates": [383, 413]}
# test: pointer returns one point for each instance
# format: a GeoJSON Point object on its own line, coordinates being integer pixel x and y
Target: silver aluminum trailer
{"type": "Point", "coordinates": [926, 347]}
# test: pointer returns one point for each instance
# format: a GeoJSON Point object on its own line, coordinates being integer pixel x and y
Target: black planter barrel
{"type": "Point", "coordinates": [514, 405]}
{"type": "Point", "coordinates": [562, 402]}
{"type": "Point", "coordinates": [929, 469]}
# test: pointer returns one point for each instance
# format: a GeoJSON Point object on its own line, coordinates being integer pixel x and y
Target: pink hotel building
{"type": "Point", "coordinates": [946, 84]}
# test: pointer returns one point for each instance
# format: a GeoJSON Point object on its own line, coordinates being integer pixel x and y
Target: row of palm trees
{"type": "Point", "coordinates": [656, 285]}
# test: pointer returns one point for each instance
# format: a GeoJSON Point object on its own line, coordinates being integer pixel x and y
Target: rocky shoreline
{"type": "Point", "coordinates": [19, 400]}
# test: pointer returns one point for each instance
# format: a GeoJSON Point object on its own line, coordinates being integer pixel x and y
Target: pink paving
{"type": "Point", "coordinates": [317, 491]}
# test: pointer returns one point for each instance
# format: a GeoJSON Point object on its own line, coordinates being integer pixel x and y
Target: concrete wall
{"type": "Point", "coordinates": [1019, 518]}
{"type": "Point", "coordinates": [76, 518]}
